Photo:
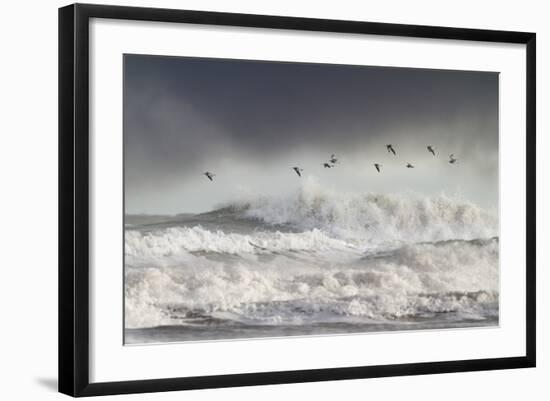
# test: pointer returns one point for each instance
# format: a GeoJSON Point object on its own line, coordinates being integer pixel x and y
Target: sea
{"type": "Point", "coordinates": [314, 262]}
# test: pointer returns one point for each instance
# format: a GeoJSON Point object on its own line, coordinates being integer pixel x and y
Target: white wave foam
{"type": "Point", "coordinates": [375, 218]}
{"type": "Point", "coordinates": [161, 246]}
{"type": "Point", "coordinates": [457, 276]}
{"type": "Point", "coordinates": [334, 268]}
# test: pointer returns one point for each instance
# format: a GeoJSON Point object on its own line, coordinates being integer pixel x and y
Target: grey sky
{"type": "Point", "coordinates": [250, 121]}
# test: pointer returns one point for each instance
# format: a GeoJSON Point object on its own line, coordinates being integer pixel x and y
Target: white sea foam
{"type": "Point", "coordinates": [417, 279]}
{"type": "Point", "coordinates": [315, 256]}
{"type": "Point", "coordinates": [374, 217]}
{"type": "Point", "coordinates": [171, 243]}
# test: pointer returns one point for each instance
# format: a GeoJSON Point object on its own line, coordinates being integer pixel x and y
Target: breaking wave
{"type": "Point", "coordinates": [314, 257]}
{"type": "Point", "coordinates": [373, 217]}
{"type": "Point", "coordinates": [288, 287]}
{"type": "Point", "coordinates": [177, 241]}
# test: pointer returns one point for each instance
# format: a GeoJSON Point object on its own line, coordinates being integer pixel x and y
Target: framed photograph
{"type": "Point", "coordinates": [250, 199]}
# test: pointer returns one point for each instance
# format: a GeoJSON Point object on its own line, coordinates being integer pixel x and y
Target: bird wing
{"type": "Point", "coordinates": [393, 151]}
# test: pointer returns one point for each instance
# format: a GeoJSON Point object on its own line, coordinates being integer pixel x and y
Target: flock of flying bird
{"type": "Point", "coordinates": [333, 161]}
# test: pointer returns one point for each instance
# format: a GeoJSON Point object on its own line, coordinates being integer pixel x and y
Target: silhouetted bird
{"type": "Point", "coordinates": [298, 170]}
{"type": "Point", "coordinates": [431, 149]}
{"type": "Point", "coordinates": [333, 159]}
{"type": "Point", "coordinates": [210, 175]}
{"type": "Point", "coordinates": [452, 159]}
{"type": "Point", "coordinates": [390, 149]}
{"type": "Point", "coordinates": [377, 166]}
{"type": "Point", "coordinates": [327, 165]}
{"type": "Point", "coordinates": [409, 165]}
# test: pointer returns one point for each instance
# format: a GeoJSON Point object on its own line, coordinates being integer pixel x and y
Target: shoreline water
{"type": "Point", "coordinates": [171, 334]}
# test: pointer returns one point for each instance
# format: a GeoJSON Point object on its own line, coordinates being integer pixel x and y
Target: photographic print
{"type": "Point", "coordinates": [272, 199]}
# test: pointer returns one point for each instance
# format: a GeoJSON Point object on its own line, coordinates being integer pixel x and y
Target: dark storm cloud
{"type": "Point", "coordinates": [182, 114]}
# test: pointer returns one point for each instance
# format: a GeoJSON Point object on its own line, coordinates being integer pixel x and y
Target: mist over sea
{"type": "Point", "coordinates": [312, 262]}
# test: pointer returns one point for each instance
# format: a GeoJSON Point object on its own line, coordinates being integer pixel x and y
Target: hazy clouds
{"type": "Point", "coordinates": [250, 121]}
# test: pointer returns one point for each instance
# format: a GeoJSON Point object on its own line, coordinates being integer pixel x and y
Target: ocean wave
{"type": "Point", "coordinates": [414, 280]}
{"type": "Point", "coordinates": [174, 243]}
{"type": "Point", "coordinates": [376, 218]}
{"type": "Point", "coordinates": [315, 256]}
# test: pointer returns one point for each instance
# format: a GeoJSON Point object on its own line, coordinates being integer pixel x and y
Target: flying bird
{"type": "Point", "coordinates": [333, 159]}
{"type": "Point", "coordinates": [327, 165]}
{"type": "Point", "coordinates": [298, 170]}
{"type": "Point", "coordinates": [209, 175]}
{"type": "Point", "coordinates": [452, 159]}
{"type": "Point", "coordinates": [391, 149]}
{"type": "Point", "coordinates": [377, 166]}
{"type": "Point", "coordinates": [409, 165]}
{"type": "Point", "coordinates": [431, 149]}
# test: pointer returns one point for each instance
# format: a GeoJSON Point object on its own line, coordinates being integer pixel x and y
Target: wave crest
{"type": "Point", "coordinates": [174, 243]}
{"type": "Point", "coordinates": [374, 217]}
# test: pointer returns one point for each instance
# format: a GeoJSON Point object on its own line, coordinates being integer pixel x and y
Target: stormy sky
{"type": "Point", "coordinates": [249, 122]}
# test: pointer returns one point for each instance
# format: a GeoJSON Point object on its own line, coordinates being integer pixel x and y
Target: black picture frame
{"type": "Point", "coordinates": [74, 199]}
